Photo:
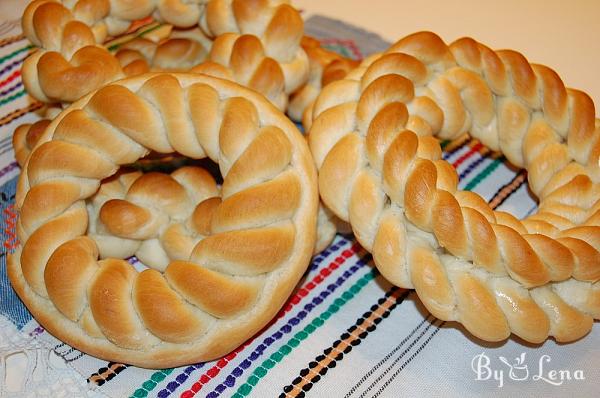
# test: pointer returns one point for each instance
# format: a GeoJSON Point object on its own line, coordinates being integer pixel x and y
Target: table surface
{"type": "Point", "coordinates": [559, 34]}
{"type": "Point", "coordinates": [547, 32]}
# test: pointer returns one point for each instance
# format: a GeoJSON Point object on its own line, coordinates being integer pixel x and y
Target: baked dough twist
{"type": "Point", "coordinates": [258, 40]}
{"type": "Point", "coordinates": [381, 169]}
{"type": "Point", "coordinates": [261, 239]}
{"type": "Point", "coordinates": [179, 51]}
{"type": "Point", "coordinates": [326, 66]}
{"type": "Point", "coordinates": [157, 217]}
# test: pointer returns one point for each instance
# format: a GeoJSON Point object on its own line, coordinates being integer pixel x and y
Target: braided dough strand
{"type": "Point", "coordinates": [381, 169]}
{"type": "Point", "coordinates": [72, 61]}
{"type": "Point", "coordinates": [326, 66]}
{"type": "Point", "coordinates": [256, 242]}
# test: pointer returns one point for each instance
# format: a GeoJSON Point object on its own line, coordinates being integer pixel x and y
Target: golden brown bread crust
{"type": "Point", "coordinates": [185, 50]}
{"type": "Point", "coordinates": [259, 41]}
{"type": "Point", "coordinates": [151, 215]}
{"type": "Point", "coordinates": [106, 309]}
{"type": "Point", "coordinates": [25, 137]}
{"type": "Point", "coordinates": [497, 275]}
{"type": "Point", "coordinates": [325, 67]}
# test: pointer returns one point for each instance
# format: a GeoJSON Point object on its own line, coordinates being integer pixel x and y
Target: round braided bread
{"type": "Point", "coordinates": [258, 40]}
{"type": "Point", "coordinates": [256, 240]}
{"type": "Point", "coordinates": [380, 168]}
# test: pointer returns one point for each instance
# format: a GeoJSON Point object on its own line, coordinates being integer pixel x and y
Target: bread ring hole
{"type": "Point", "coordinates": [149, 209]}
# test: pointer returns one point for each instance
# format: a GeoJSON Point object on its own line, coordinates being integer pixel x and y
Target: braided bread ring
{"type": "Point", "coordinates": [493, 273]}
{"type": "Point", "coordinates": [199, 309]}
{"type": "Point", "coordinates": [259, 41]}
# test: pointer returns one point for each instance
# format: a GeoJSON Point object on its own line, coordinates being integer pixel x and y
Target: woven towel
{"type": "Point", "coordinates": [345, 332]}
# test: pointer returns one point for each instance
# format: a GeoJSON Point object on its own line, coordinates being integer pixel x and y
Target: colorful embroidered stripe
{"type": "Point", "coordinates": [106, 373]}
{"type": "Point", "coordinates": [13, 97]}
{"type": "Point", "coordinates": [5, 198]}
{"type": "Point", "coordinates": [454, 146]}
{"type": "Point", "coordinates": [343, 346]}
{"type": "Point", "coordinates": [319, 258]}
{"type": "Point", "coordinates": [506, 190]}
{"type": "Point", "coordinates": [10, 78]}
{"type": "Point", "coordinates": [483, 174]}
{"type": "Point", "coordinates": [156, 378]}
{"type": "Point", "coordinates": [9, 40]}
{"type": "Point", "coordinates": [15, 53]}
{"type": "Point", "coordinates": [275, 358]}
{"type": "Point", "coordinates": [472, 166]}
{"type": "Point", "coordinates": [10, 220]}
{"type": "Point", "coordinates": [8, 169]}
{"type": "Point", "coordinates": [319, 278]}
{"type": "Point", "coordinates": [287, 328]}
{"type": "Point", "coordinates": [11, 89]}
{"type": "Point", "coordinates": [18, 113]}
{"type": "Point", "coordinates": [11, 66]}
{"type": "Point", "coordinates": [474, 149]}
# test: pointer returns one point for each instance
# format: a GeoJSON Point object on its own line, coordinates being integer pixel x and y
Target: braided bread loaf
{"type": "Point", "coordinates": [256, 242]}
{"type": "Point", "coordinates": [259, 41]}
{"type": "Point", "coordinates": [380, 168]}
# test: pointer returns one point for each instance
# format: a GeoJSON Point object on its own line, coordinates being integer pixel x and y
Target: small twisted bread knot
{"type": "Point", "coordinates": [325, 67]}
{"type": "Point", "coordinates": [252, 245]}
{"type": "Point", "coordinates": [25, 137]}
{"type": "Point", "coordinates": [156, 217]}
{"type": "Point", "coordinates": [179, 51]}
{"type": "Point", "coordinates": [486, 269]}
{"type": "Point", "coordinates": [259, 41]}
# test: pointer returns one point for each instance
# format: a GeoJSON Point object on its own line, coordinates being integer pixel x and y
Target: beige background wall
{"type": "Point", "coordinates": [562, 34]}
